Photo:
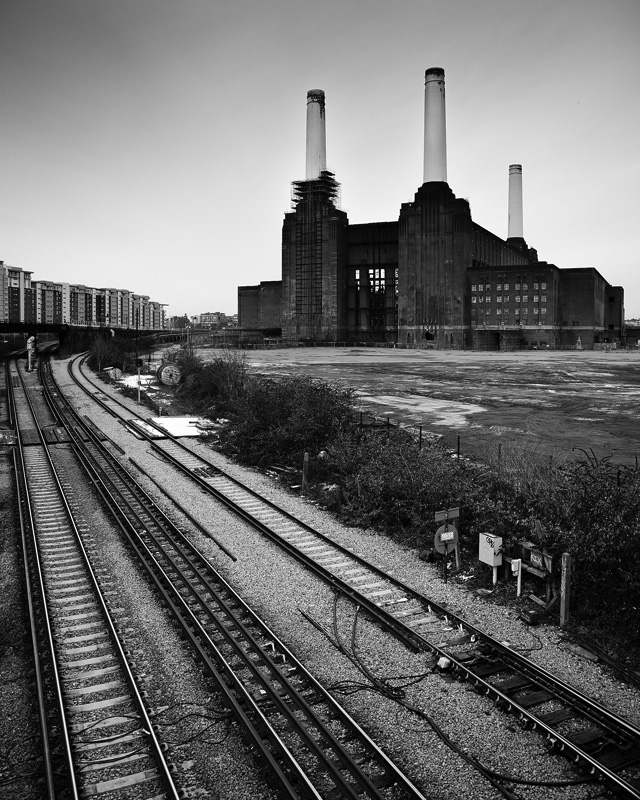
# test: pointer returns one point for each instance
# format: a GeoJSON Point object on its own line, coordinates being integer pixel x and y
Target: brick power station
{"type": "Point", "coordinates": [433, 277]}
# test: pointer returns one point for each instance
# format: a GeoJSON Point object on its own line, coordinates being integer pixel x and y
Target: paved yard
{"type": "Point", "coordinates": [548, 400]}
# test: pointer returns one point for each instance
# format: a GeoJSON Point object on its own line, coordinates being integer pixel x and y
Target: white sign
{"type": "Point", "coordinates": [490, 550]}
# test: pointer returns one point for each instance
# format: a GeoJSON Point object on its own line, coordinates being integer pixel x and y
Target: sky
{"type": "Point", "coordinates": [150, 145]}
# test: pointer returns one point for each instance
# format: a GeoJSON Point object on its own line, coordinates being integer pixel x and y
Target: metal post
{"type": "Point", "coordinates": [138, 384]}
{"type": "Point", "coordinates": [305, 473]}
{"type": "Point", "coordinates": [565, 587]}
{"type": "Point", "coordinates": [420, 439]}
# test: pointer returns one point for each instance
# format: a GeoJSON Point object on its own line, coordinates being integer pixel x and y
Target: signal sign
{"type": "Point", "coordinates": [446, 539]}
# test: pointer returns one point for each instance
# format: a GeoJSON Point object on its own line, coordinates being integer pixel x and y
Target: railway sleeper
{"type": "Point", "coordinates": [489, 668]}
{"type": "Point", "coordinates": [619, 758]}
{"type": "Point", "coordinates": [512, 684]}
{"type": "Point", "coordinates": [533, 699]}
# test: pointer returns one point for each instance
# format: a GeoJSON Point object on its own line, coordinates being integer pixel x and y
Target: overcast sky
{"type": "Point", "coordinates": [150, 145]}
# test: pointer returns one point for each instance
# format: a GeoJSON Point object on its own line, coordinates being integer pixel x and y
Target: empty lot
{"type": "Point", "coordinates": [552, 401]}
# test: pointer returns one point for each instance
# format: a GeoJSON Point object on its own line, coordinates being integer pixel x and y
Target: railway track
{"type": "Point", "coordinates": [309, 743]}
{"type": "Point", "coordinates": [595, 738]}
{"type": "Point", "coordinates": [96, 730]}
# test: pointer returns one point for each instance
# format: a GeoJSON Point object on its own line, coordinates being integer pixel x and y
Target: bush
{"type": "Point", "coordinates": [108, 351]}
{"type": "Point", "coordinates": [213, 388]}
{"type": "Point", "coordinates": [277, 421]}
{"type": "Point", "coordinates": [587, 507]}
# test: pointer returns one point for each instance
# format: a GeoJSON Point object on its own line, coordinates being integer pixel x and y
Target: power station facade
{"type": "Point", "coordinates": [433, 277]}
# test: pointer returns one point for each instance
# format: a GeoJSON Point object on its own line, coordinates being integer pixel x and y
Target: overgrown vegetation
{"type": "Point", "coordinates": [380, 478]}
{"type": "Point", "coordinates": [106, 351]}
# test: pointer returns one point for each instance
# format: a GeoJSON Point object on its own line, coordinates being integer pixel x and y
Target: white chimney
{"type": "Point", "coordinates": [515, 202]}
{"type": "Point", "coordinates": [316, 135]}
{"type": "Point", "coordinates": [435, 126]}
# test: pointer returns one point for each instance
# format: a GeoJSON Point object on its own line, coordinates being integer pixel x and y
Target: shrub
{"type": "Point", "coordinates": [276, 421]}
{"type": "Point", "coordinates": [587, 507]}
{"type": "Point", "coordinates": [211, 389]}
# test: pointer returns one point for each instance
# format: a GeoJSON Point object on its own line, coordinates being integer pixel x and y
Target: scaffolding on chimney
{"type": "Point", "coordinates": [323, 189]}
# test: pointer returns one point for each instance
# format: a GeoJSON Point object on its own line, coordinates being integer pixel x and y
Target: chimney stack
{"type": "Point", "coordinates": [316, 135]}
{"type": "Point", "coordinates": [435, 127]}
{"type": "Point", "coordinates": [515, 202]}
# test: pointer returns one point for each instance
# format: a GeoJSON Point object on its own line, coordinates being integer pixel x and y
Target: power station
{"type": "Point", "coordinates": [433, 277]}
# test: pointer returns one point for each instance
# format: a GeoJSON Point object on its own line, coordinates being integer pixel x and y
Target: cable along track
{"type": "Point", "coordinates": [574, 724]}
{"type": "Point", "coordinates": [599, 741]}
{"type": "Point", "coordinates": [312, 747]}
{"type": "Point", "coordinates": [95, 721]}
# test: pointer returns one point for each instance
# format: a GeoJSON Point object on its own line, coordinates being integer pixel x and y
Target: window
{"type": "Point", "coordinates": [473, 298]}
{"type": "Point", "coordinates": [525, 286]}
{"type": "Point", "coordinates": [543, 285]}
{"type": "Point", "coordinates": [517, 287]}
{"type": "Point", "coordinates": [487, 298]}
{"type": "Point", "coordinates": [543, 298]}
{"type": "Point", "coordinates": [480, 287]}
{"type": "Point", "coordinates": [473, 287]}
{"type": "Point", "coordinates": [505, 298]}
{"type": "Point", "coordinates": [506, 287]}
{"type": "Point", "coordinates": [499, 311]}
{"type": "Point", "coordinates": [488, 287]}
{"type": "Point", "coordinates": [499, 298]}
{"type": "Point", "coordinates": [499, 287]}
{"type": "Point", "coordinates": [543, 310]}
{"type": "Point", "coordinates": [535, 310]}
{"type": "Point", "coordinates": [517, 312]}
{"type": "Point", "coordinates": [535, 287]}
{"type": "Point", "coordinates": [517, 298]}
{"type": "Point", "coordinates": [525, 298]}
{"type": "Point", "coordinates": [535, 298]}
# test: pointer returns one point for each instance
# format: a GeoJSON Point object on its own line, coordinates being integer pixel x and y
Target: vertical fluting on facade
{"type": "Point", "coordinates": [434, 240]}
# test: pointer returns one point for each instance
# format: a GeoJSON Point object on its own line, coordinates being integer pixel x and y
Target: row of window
{"type": "Point", "coordinates": [505, 298]}
{"type": "Point", "coordinates": [486, 287]}
{"type": "Point", "coordinates": [518, 312]}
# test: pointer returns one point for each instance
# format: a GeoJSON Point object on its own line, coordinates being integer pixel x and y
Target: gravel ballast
{"type": "Point", "coordinates": [279, 589]}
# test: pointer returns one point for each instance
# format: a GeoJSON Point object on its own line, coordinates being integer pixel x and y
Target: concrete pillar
{"type": "Point", "coordinates": [316, 135]}
{"type": "Point", "coordinates": [515, 202]}
{"type": "Point", "coordinates": [435, 126]}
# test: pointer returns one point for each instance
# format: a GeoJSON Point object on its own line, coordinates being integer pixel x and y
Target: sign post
{"type": "Point", "coordinates": [138, 364]}
{"type": "Point", "coordinates": [445, 540]}
{"type": "Point", "coordinates": [565, 585]}
{"type": "Point", "coordinates": [516, 568]}
{"type": "Point", "coordinates": [444, 516]}
{"type": "Point", "coordinates": [305, 473]}
{"type": "Point", "coordinates": [31, 346]}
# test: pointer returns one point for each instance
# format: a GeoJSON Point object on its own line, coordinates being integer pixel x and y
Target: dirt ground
{"type": "Point", "coordinates": [551, 401]}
